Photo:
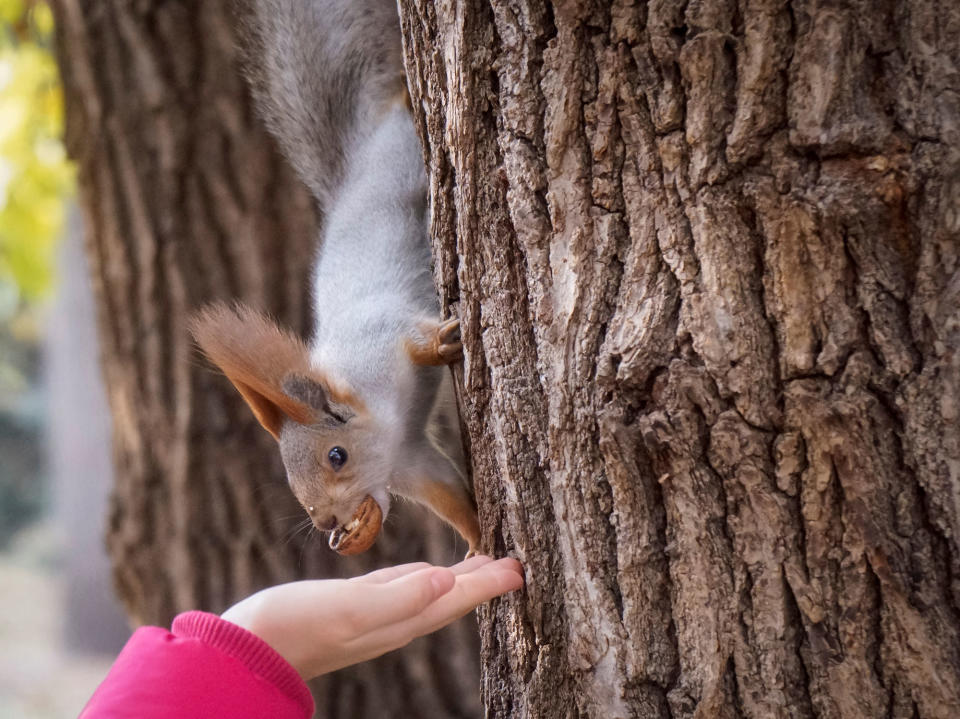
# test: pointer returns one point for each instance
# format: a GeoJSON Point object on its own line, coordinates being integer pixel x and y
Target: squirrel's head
{"type": "Point", "coordinates": [328, 441]}
{"type": "Point", "coordinates": [335, 464]}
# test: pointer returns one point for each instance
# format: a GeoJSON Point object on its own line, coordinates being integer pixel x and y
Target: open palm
{"type": "Point", "coordinates": [323, 625]}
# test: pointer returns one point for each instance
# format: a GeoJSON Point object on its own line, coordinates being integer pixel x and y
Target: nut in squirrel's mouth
{"type": "Point", "coordinates": [359, 534]}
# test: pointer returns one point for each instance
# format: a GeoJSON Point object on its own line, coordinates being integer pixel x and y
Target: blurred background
{"type": "Point", "coordinates": [60, 626]}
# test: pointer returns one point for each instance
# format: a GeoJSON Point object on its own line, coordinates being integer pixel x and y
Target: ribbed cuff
{"type": "Point", "coordinates": [258, 656]}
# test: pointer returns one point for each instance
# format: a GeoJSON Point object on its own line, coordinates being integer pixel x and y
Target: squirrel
{"type": "Point", "coordinates": [365, 409]}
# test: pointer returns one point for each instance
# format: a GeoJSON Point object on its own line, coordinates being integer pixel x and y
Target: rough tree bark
{"type": "Point", "coordinates": [186, 201]}
{"type": "Point", "coordinates": [706, 256]}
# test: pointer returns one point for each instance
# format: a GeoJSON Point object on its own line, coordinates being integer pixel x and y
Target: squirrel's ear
{"type": "Point", "coordinates": [256, 355]}
{"type": "Point", "coordinates": [317, 394]}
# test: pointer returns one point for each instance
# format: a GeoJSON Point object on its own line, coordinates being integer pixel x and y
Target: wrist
{"type": "Point", "coordinates": [254, 615]}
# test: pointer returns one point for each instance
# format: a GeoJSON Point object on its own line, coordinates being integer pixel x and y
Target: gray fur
{"type": "Point", "coordinates": [321, 72]}
{"type": "Point", "coordinates": [327, 76]}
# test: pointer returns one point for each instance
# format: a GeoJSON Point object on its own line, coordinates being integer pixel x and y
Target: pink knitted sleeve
{"type": "Point", "coordinates": [204, 667]}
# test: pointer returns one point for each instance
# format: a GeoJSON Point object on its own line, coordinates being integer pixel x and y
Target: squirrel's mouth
{"type": "Point", "coordinates": [359, 534]}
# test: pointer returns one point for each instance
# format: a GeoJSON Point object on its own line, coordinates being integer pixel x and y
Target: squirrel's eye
{"type": "Point", "coordinates": [337, 457]}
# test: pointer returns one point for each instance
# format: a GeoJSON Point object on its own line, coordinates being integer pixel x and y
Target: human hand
{"type": "Point", "coordinates": [326, 624]}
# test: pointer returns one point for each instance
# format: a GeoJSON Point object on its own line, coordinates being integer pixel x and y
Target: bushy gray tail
{"type": "Point", "coordinates": [321, 72]}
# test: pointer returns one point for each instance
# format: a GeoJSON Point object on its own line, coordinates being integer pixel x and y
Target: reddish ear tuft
{"type": "Point", "coordinates": [256, 355]}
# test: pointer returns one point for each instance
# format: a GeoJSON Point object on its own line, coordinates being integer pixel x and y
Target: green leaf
{"type": "Point", "coordinates": [36, 179]}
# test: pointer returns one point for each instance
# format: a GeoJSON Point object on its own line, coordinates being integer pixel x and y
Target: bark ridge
{"type": "Point", "coordinates": [705, 257]}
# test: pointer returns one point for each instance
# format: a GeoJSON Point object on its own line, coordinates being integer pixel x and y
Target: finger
{"type": "Point", "coordinates": [382, 604]}
{"type": "Point", "coordinates": [468, 565]}
{"type": "Point", "coordinates": [510, 563]}
{"type": "Point", "coordinates": [471, 589]}
{"type": "Point", "coordinates": [388, 574]}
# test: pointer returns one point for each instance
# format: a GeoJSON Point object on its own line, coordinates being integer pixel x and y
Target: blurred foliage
{"type": "Point", "coordinates": [36, 181]}
{"type": "Point", "coordinates": [35, 177]}
{"type": "Point", "coordinates": [22, 497]}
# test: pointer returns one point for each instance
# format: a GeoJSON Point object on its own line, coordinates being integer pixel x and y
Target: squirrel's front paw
{"type": "Point", "coordinates": [450, 347]}
{"type": "Point", "coordinates": [437, 343]}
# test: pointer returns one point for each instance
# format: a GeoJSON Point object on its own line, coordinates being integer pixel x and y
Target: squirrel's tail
{"type": "Point", "coordinates": [322, 71]}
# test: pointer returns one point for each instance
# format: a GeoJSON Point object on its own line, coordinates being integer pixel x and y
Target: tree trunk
{"type": "Point", "coordinates": [706, 257]}
{"type": "Point", "coordinates": [186, 201]}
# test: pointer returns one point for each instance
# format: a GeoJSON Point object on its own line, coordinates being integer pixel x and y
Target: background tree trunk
{"type": "Point", "coordinates": [706, 256]}
{"type": "Point", "coordinates": [186, 200]}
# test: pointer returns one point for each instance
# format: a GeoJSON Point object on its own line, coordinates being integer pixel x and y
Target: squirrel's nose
{"type": "Point", "coordinates": [325, 524]}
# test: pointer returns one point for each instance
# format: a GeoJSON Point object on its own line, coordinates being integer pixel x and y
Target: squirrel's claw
{"type": "Point", "coordinates": [449, 332]}
{"type": "Point", "coordinates": [450, 347]}
{"type": "Point", "coordinates": [436, 344]}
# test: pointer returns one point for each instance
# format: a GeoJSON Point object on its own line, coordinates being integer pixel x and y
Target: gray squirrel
{"type": "Point", "coordinates": [365, 409]}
